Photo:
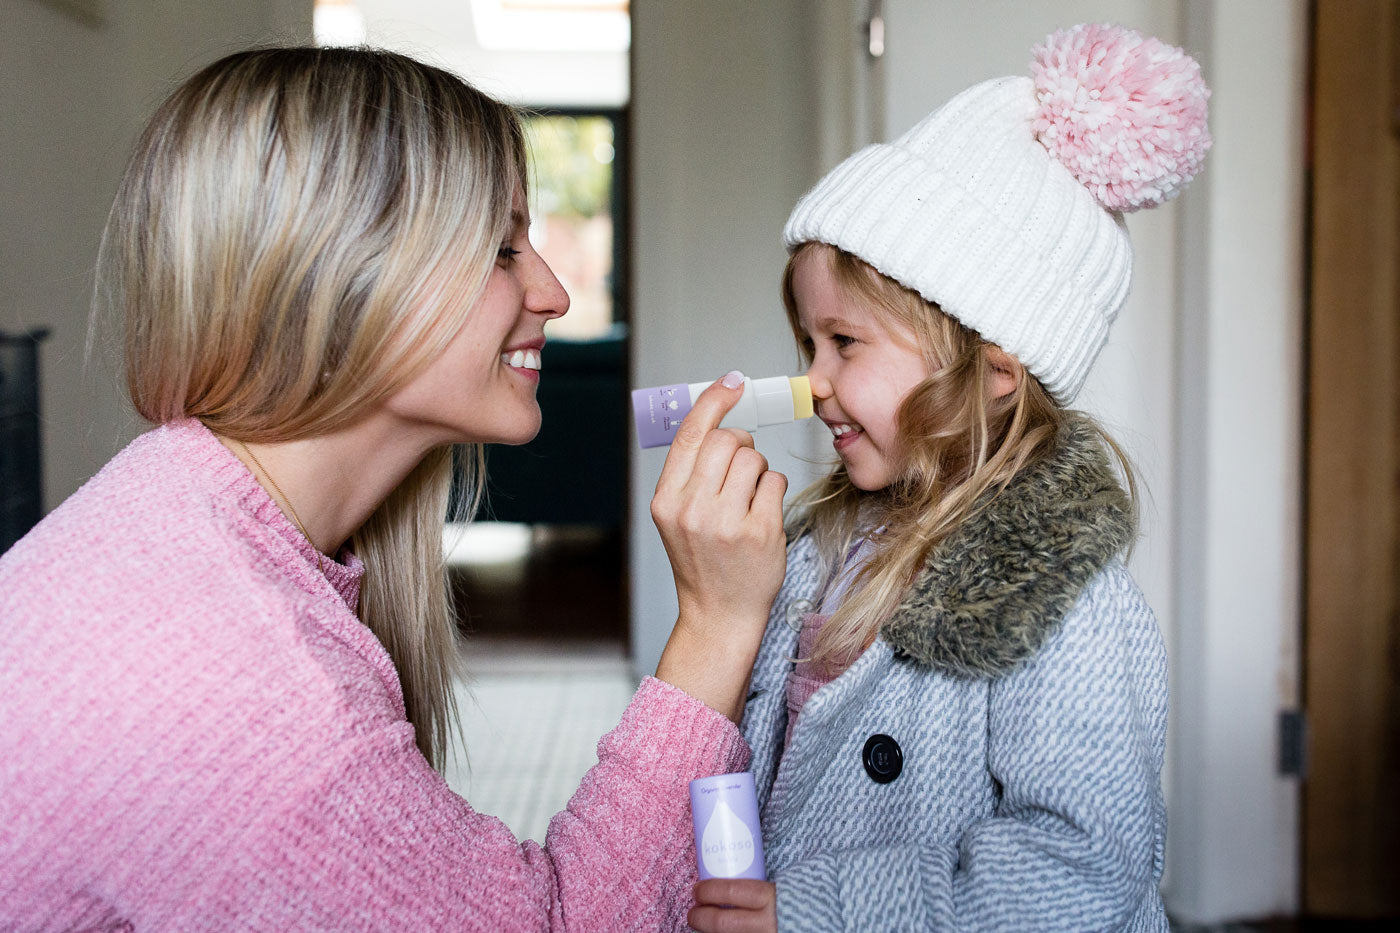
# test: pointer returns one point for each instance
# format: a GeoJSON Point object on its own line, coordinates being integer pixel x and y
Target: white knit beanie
{"type": "Point", "coordinates": [1004, 206]}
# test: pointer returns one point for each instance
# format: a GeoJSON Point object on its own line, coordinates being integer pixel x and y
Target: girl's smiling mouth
{"type": "Point", "coordinates": [845, 433]}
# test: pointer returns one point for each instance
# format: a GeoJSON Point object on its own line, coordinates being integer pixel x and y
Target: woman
{"type": "Point", "coordinates": [227, 658]}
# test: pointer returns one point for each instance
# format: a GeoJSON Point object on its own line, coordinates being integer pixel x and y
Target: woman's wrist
{"type": "Point", "coordinates": [707, 669]}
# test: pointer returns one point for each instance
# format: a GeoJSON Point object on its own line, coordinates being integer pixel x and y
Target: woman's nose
{"type": "Point", "coordinates": [543, 293]}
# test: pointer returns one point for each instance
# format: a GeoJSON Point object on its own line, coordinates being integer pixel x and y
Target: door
{"type": "Point", "coordinates": [1351, 795]}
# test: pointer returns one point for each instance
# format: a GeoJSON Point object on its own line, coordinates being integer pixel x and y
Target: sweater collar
{"type": "Point", "coordinates": [294, 552]}
{"type": "Point", "coordinates": [991, 593]}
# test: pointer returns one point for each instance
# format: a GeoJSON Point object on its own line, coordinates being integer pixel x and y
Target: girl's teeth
{"type": "Point", "coordinates": [839, 429]}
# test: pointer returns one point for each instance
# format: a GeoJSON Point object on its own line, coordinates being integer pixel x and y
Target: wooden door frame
{"type": "Point", "coordinates": [1351, 811]}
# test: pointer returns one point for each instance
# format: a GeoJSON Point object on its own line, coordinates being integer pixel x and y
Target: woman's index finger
{"type": "Point", "coordinates": [704, 416]}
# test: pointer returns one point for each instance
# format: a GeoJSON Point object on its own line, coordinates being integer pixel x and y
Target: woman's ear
{"type": "Point", "coordinates": [1003, 371]}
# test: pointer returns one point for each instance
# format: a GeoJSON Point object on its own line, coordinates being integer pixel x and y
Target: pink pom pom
{"type": "Point", "coordinates": [1125, 114]}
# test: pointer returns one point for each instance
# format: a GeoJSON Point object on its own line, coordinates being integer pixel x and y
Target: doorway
{"type": "Point", "coordinates": [556, 572]}
{"type": "Point", "coordinates": [568, 486]}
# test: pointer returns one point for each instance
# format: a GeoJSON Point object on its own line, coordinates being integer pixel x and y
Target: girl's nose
{"type": "Point", "coordinates": [818, 379]}
{"type": "Point", "coordinates": [543, 293]}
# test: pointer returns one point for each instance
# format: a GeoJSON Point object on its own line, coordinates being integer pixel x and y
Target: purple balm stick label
{"type": "Point", "coordinates": [658, 412]}
{"type": "Point", "coordinates": [728, 838]}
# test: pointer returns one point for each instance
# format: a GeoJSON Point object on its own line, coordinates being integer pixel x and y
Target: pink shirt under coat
{"type": "Point", "coordinates": [197, 733]}
{"type": "Point", "coordinates": [807, 678]}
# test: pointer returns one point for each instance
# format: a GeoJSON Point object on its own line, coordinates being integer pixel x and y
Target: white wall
{"type": "Point", "coordinates": [74, 97]}
{"type": "Point", "coordinates": [1201, 382]}
{"type": "Point", "coordinates": [724, 142]}
{"type": "Point", "coordinates": [1234, 850]}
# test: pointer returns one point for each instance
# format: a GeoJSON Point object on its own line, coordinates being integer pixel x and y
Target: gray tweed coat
{"type": "Point", "coordinates": [1024, 680]}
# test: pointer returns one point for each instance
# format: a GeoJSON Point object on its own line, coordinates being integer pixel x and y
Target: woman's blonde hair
{"type": "Point", "coordinates": [959, 446]}
{"type": "Point", "coordinates": [298, 234]}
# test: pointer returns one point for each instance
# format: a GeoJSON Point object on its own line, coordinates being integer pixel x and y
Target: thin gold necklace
{"type": "Point", "coordinates": [291, 508]}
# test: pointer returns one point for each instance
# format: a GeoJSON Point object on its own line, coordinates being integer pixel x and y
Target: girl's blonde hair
{"type": "Point", "coordinates": [959, 447]}
{"type": "Point", "coordinates": [298, 234]}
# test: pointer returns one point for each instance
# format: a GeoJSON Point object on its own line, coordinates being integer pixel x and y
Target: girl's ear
{"type": "Point", "coordinates": [1003, 371]}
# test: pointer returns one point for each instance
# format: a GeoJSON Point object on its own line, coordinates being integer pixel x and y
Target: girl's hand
{"type": "Point", "coordinates": [720, 513]}
{"type": "Point", "coordinates": [735, 905]}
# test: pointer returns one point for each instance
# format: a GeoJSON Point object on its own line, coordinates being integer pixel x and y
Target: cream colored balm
{"type": "Point", "coordinates": [659, 411]}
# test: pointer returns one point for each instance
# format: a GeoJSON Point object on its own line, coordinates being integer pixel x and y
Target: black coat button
{"type": "Point", "coordinates": [882, 758]}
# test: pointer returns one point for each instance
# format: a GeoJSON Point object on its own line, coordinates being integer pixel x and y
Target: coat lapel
{"type": "Point", "coordinates": [827, 719]}
{"type": "Point", "coordinates": [765, 714]}
{"type": "Point", "coordinates": [992, 592]}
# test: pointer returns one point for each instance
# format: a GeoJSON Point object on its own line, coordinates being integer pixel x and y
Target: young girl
{"type": "Point", "coordinates": [971, 734]}
{"type": "Point", "coordinates": [226, 660]}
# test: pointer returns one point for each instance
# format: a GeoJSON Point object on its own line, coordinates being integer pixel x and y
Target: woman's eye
{"type": "Point", "coordinates": [506, 253]}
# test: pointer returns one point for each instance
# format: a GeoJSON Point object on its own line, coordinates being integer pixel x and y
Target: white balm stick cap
{"type": "Point", "coordinates": [777, 400]}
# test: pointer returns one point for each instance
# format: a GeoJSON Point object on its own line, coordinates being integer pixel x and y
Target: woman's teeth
{"type": "Point", "coordinates": [839, 429]}
{"type": "Point", "coordinates": [522, 359]}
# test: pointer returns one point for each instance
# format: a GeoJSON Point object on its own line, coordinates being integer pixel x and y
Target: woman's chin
{"type": "Point", "coordinates": [513, 426]}
{"type": "Point", "coordinates": [516, 434]}
{"type": "Point", "coordinates": [518, 441]}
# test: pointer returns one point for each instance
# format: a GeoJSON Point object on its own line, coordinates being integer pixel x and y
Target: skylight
{"type": "Point", "coordinates": [553, 25]}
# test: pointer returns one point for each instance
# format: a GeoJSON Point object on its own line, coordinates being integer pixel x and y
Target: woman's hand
{"type": "Point", "coordinates": [735, 905]}
{"type": "Point", "coordinates": [720, 513]}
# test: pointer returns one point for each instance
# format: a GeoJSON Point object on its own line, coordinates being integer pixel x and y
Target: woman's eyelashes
{"type": "Point", "coordinates": [506, 254]}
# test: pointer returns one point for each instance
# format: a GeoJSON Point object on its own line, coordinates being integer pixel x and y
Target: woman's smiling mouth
{"type": "Point", "coordinates": [522, 359]}
{"type": "Point", "coordinates": [525, 359]}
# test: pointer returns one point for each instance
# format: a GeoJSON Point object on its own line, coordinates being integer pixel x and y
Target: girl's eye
{"type": "Point", "coordinates": [842, 341]}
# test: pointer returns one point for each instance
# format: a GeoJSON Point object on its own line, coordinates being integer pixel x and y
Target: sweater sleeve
{"type": "Point", "coordinates": [376, 840]}
{"type": "Point", "coordinates": [1075, 742]}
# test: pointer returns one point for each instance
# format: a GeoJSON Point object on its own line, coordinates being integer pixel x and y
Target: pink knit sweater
{"type": "Point", "coordinates": [197, 733]}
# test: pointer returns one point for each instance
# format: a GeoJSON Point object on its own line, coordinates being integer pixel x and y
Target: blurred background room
{"type": "Point", "coordinates": [1254, 375]}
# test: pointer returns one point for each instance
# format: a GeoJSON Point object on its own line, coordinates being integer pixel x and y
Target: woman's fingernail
{"type": "Point", "coordinates": [732, 380]}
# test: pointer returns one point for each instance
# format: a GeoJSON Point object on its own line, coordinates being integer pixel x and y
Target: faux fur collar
{"type": "Point", "coordinates": [990, 594]}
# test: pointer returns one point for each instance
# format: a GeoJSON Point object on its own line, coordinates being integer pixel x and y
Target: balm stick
{"type": "Point", "coordinates": [728, 839]}
{"type": "Point", "coordinates": [775, 400]}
